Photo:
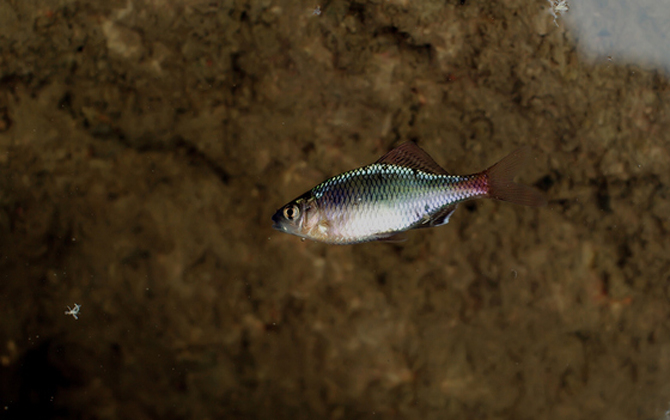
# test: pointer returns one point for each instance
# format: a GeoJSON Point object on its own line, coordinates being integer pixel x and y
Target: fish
{"type": "Point", "coordinates": [403, 190]}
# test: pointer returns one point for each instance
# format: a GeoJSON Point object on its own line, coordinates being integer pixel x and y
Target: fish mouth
{"type": "Point", "coordinates": [277, 222]}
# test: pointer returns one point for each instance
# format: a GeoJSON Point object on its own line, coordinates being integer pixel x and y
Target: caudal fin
{"type": "Point", "coordinates": [501, 181]}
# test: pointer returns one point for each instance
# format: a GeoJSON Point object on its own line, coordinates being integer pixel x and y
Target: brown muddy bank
{"type": "Point", "coordinates": [144, 146]}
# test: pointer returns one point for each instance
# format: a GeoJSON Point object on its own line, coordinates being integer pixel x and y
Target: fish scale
{"type": "Point", "coordinates": [381, 198]}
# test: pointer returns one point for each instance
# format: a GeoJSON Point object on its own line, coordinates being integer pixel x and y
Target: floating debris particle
{"type": "Point", "coordinates": [558, 7]}
{"type": "Point", "coordinates": [73, 311]}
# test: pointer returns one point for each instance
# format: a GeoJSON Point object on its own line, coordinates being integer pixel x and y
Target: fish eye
{"type": "Point", "coordinates": [291, 212]}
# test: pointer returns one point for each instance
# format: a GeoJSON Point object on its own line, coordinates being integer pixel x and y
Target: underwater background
{"type": "Point", "coordinates": [145, 145]}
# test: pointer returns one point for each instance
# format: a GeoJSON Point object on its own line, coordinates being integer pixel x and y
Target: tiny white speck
{"type": "Point", "coordinates": [317, 11]}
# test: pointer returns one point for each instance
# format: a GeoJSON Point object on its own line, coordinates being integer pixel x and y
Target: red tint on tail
{"type": "Point", "coordinates": [501, 181]}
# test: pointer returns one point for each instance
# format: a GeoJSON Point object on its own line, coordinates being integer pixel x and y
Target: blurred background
{"type": "Point", "coordinates": [145, 144]}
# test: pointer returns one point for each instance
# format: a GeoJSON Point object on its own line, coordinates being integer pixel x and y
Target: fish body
{"type": "Point", "coordinates": [405, 189]}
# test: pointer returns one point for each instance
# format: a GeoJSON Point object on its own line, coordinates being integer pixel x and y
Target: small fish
{"type": "Point", "coordinates": [405, 189]}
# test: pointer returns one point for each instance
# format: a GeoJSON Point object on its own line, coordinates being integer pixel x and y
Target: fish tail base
{"type": "Point", "coordinates": [501, 185]}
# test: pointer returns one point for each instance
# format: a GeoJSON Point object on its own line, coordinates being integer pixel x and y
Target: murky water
{"type": "Point", "coordinates": [145, 145]}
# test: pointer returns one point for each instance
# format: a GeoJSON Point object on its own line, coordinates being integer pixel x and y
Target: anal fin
{"type": "Point", "coordinates": [439, 218]}
{"type": "Point", "coordinates": [393, 237]}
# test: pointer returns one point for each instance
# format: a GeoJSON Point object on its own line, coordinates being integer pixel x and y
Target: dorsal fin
{"type": "Point", "coordinates": [410, 155]}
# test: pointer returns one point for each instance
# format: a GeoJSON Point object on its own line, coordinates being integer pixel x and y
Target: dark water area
{"type": "Point", "coordinates": [145, 145]}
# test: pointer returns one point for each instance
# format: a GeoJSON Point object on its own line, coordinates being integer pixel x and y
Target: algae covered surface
{"type": "Point", "coordinates": [145, 144]}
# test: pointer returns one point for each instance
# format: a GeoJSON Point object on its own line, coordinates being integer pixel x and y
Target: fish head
{"type": "Point", "coordinates": [297, 217]}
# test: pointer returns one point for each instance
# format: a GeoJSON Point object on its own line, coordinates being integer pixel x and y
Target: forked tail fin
{"type": "Point", "coordinates": [501, 181]}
